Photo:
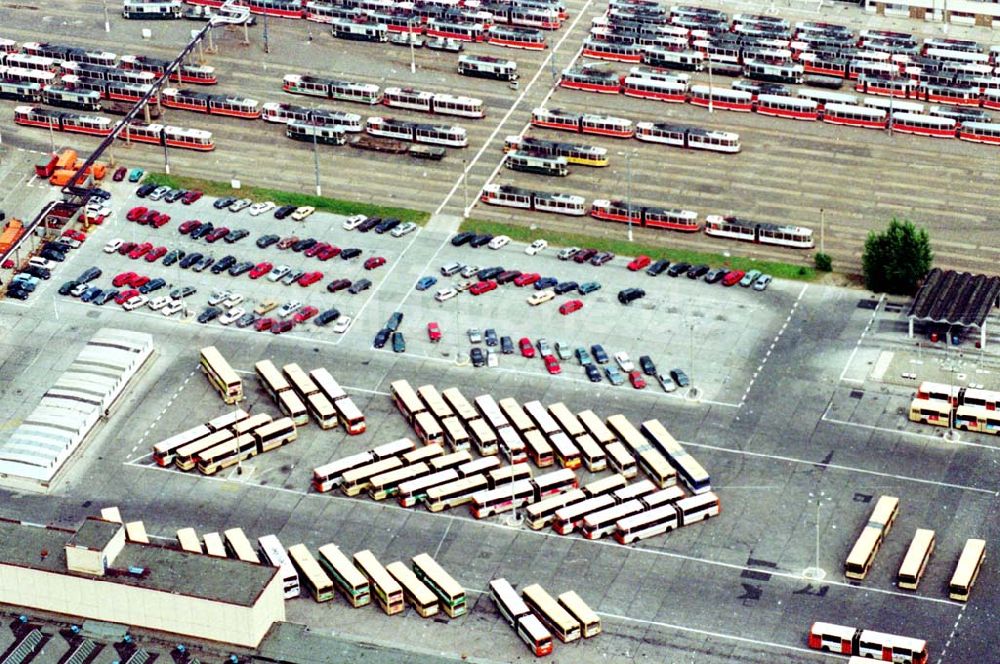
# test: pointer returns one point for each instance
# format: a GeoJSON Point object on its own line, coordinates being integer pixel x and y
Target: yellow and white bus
{"type": "Point", "coordinates": [541, 514]}
{"type": "Point", "coordinates": [351, 583]}
{"type": "Point", "coordinates": [427, 429]}
{"type": "Point", "coordinates": [164, 451]}
{"type": "Point", "coordinates": [479, 466]}
{"type": "Point", "coordinates": [291, 405]}
{"type": "Point", "coordinates": [435, 404]}
{"type": "Point", "coordinates": [926, 411]}
{"type": "Point", "coordinates": [507, 474]}
{"type": "Point", "coordinates": [490, 412]}
{"type": "Point", "coordinates": [567, 518]}
{"type": "Point", "coordinates": [415, 592]}
{"type": "Point", "coordinates": [329, 476]}
{"type": "Point", "coordinates": [596, 427]}
{"type": "Point", "coordinates": [356, 480]}
{"type": "Point", "coordinates": [449, 592]}
{"type": "Point", "coordinates": [605, 485]}
{"type": "Point", "coordinates": [589, 621]}
{"type": "Point", "coordinates": [388, 592]}
{"type": "Point", "coordinates": [186, 457]}
{"type": "Point", "coordinates": [229, 453]}
{"type": "Point", "coordinates": [455, 434]}
{"type": "Point", "coordinates": [515, 415]}
{"type": "Point", "coordinates": [567, 452]}
{"type": "Point", "coordinates": [454, 398]}
{"type": "Point", "coordinates": [593, 456]}
{"type": "Point", "coordinates": [275, 434]}
{"type": "Point", "coordinates": [221, 375]}
{"type": "Point", "coordinates": [452, 460]}
{"type": "Point", "coordinates": [915, 561]}
{"type": "Point", "coordinates": [690, 471]}
{"type": "Point", "coordinates": [321, 410]}
{"type": "Point", "coordinates": [272, 380]}
{"type": "Point", "coordinates": [483, 437]}
{"type": "Point", "coordinates": [552, 615]}
{"type": "Point", "coordinates": [455, 493]}
{"type": "Point", "coordinates": [422, 454]}
{"type": "Point", "coordinates": [250, 423]}
{"type": "Point", "coordinates": [300, 380]}
{"type": "Point", "coordinates": [239, 547]}
{"type": "Point", "coordinates": [311, 575]}
{"type": "Point", "coordinates": [538, 448]}
{"type": "Point", "coordinates": [386, 484]}
{"type": "Point", "coordinates": [569, 422]}
{"type": "Point", "coordinates": [396, 448]}
{"type": "Point", "coordinates": [414, 491]}
{"type": "Point", "coordinates": [502, 499]}
{"type": "Point", "coordinates": [860, 559]}
{"type": "Point", "coordinates": [350, 416]}
{"type": "Point", "coordinates": [621, 461]}
{"type": "Point", "coordinates": [406, 400]}
{"type": "Point", "coordinates": [512, 445]}
{"type": "Point", "coordinates": [967, 570]}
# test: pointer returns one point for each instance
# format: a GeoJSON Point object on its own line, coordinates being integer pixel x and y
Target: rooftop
{"type": "Point", "coordinates": [95, 534]}
{"type": "Point", "coordinates": [955, 298]}
{"type": "Point", "coordinates": [166, 570]}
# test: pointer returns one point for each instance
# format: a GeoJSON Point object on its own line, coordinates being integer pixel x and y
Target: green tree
{"type": "Point", "coordinates": [823, 262]}
{"type": "Point", "coordinates": [896, 260]}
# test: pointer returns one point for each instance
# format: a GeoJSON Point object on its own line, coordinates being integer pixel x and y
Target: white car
{"type": "Point", "coordinates": [232, 300]}
{"type": "Point", "coordinates": [499, 242]}
{"type": "Point", "coordinates": [258, 209]}
{"type": "Point", "coordinates": [445, 294]}
{"type": "Point", "coordinates": [218, 296]}
{"type": "Point", "coordinates": [134, 302]}
{"type": "Point", "coordinates": [278, 272]}
{"type": "Point", "coordinates": [354, 221]}
{"type": "Point", "coordinates": [624, 362]}
{"type": "Point", "coordinates": [240, 204]}
{"type": "Point", "coordinates": [233, 314]}
{"type": "Point", "coordinates": [475, 336]}
{"type": "Point", "coordinates": [303, 212]}
{"type": "Point", "coordinates": [97, 209]}
{"type": "Point", "coordinates": [159, 302]}
{"type": "Point", "coordinates": [289, 308]}
{"type": "Point", "coordinates": [539, 297]}
{"type": "Point", "coordinates": [158, 193]}
{"type": "Point", "coordinates": [172, 307]}
{"type": "Point", "coordinates": [470, 271]}
{"type": "Point", "coordinates": [341, 326]}
{"type": "Point", "coordinates": [112, 245]}
{"type": "Point", "coordinates": [492, 360]}
{"type": "Point", "coordinates": [666, 382]}
{"type": "Point", "coordinates": [536, 246]}
{"type": "Point", "coordinates": [403, 229]}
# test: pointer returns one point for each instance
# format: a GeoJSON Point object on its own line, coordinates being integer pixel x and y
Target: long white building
{"type": "Point", "coordinates": [959, 12]}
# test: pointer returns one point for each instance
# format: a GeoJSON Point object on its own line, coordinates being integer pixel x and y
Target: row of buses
{"type": "Point", "coordinates": [426, 586]}
{"type": "Point", "coordinates": [317, 395]}
{"type": "Point", "coordinates": [918, 554]}
{"type": "Point", "coordinates": [965, 408]}
{"type": "Point", "coordinates": [535, 615]}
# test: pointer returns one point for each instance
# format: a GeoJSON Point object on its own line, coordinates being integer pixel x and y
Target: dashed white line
{"type": "Point", "coordinates": [857, 345]}
{"type": "Point", "coordinates": [777, 337]}
{"type": "Point", "coordinates": [954, 628]}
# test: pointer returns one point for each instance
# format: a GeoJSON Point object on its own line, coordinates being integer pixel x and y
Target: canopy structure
{"type": "Point", "coordinates": [957, 299]}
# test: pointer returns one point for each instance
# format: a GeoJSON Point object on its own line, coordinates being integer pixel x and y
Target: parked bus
{"type": "Point", "coordinates": [605, 485]}
{"type": "Point", "coordinates": [273, 553]}
{"type": "Point", "coordinates": [542, 513]}
{"type": "Point", "coordinates": [422, 454]}
{"type": "Point", "coordinates": [350, 416]}
{"type": "Point", "coordinates": [229, 453]}
{"type": "Point", "coordinates": [479, 466]}
{"type": "Point", "coordinates": [576, 607]}
{"type": "Point", "coordinates": [387, 484]}
{"type": "Point", "coordinates": [508, 474]}
{"type": "Point", "coordinates": [484, 438]}
{"type": "Point", "coordinates": [553, 482]}
{"type": "Point", "coordinates": [859, 561]}
{"type": "Point", "coordinates": [926, 411]}
{"type": "Point", "coordinates": [220, 375]}
{"type": "Point", "coordinates": [351, 583]}
{"type": "Point", "coordinates": [186, 457]}
{"type": "Point", "coordinates": [566, 420]}
{"type": "Point", "coordinates": [406, 400]}
{"type": "Point", "coordinates": [491, 413]}
{"type": "Point", "coordinates": [393, 448]}
{"type": "Point", "coordinates": [164, 451]}
{"type": "Point", "coordinates": [512, 445]}
{"type": "Point", "coordinates": [516, 416]}
{"type": "Point", "coordinates": [453, 460]}
{"type": "Point", "coordinates": [567, 518]}
{"type": "Point", "coordinates": [414, 491]}
{"type": "Point", "coordinates": [502, 499]}
{"type": "Point", "coordinates": [688, 469]}
{"type": "Point", "coordinates": [188, 540]}
{"type": "Point", "coordinates": [593, 456]}
{"type": "Point", "coordinates": [321, 410]}
{"type": "Point", "coordinates": [356, 480]}
{"type": "Point", "coordinates": [311, 575]}
{"type": "Point", "coordinates": [508, 602]}
{"type": "Point", "coordinates": [552, 615]}
{"type": "Point", "coordinates": [415, 592]}
{"type": "Point", "coordinates": [449, 593]}
{"type": "Point", "coordinates": [329, 476]}
{"type": "Point", "coordinates": [867, 643]}
{"type": "Point", "coordinates": [455, 434]}
{"type": "Point", "coordinates": [238, 546]}
{"type": "Point", "coordinates": [538, 448]}
{"type": "Point", "coordinates": [597, 429]}
{"type": "Point", "coordinates": [435, 404]}
{"type": "Point", "coordinates": [651, 461]}
{"type": "Point", "coordinates": [966, 571]}
{"type": "Point", "coordinates": [388, 593]}
{"type": "Point", "coordinates": [915, 561]}
{"type": "Point", "coordinates": [299, 380]}
{"type": "Point", "coordinates": [458, 403]}
{"type": "Point", "coordinates": [455, 493]}
{"type": "Point", "coordinates": [249, 424]}
{"type": "Point", "coordinates": [291, 405]}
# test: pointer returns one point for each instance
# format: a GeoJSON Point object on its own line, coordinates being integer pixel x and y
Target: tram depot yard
{"type": "Point", "coordinates": [800, 412]}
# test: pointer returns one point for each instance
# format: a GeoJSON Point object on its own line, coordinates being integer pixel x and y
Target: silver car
{"type": "Point", "coordinates": [158, 193]}
{"type": "Point", "coordinates": [240, 204]}
{"type": "Point", "coordinates": [403, 229]}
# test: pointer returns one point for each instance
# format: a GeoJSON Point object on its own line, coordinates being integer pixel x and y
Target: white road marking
{"type": "Point", "coordinates": [777, 337]}
{"type": "Point", "coordinates": [857, 345]}
{"type": "Point", "coordinates": [912, 434]}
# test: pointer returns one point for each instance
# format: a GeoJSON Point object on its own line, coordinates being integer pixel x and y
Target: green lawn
{"type": "Point", "coordinates": [259, 194]}
{"type": "Point", "coordinates": [626, 248]}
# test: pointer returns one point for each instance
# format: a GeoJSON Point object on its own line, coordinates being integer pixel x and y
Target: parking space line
{"type": "Point", "coordinates": [389, 505]}
{"type": "Point", "coordinates": [912, 434]}
{"type": "Point", "coordinates": [857, 345]}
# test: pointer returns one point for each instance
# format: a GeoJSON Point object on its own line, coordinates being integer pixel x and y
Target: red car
{"type": "Point", "coordinates": [282, 326]}
{"type": "Point", "coordinates": [217, 234]}
{"type": "Point", "coordinates": [73, 234]}
{"type": "Point", "coordinates": [120, 174]}
{"type": "Point", "coordinates": [155, 254]}
{"type": "Point", "coordinates": [309, 278]}
{"type": "Point", "coordinates": [527, 279]}
{"type": "Point", "coordinates": [433, 332]}
{"type": "Point", "coordinates": [188, 226]}
{"type": "Point", "coordinates": [552, 364]}
{"type": "Point", "coordinates": [190, 197]}
{"type": "Point", "coordinates": [328, 252]}
{"type": "Point", "coordinates": [483, 287]}
{"type": "Point", "coordinates": [639, 262]}
{"type": "Point", "coordinates": [566, 308]}
{"type": "Point", "coordinates": [638, 382]}
{"type": "Point", "coordinates": [140, 251]}
{"type": "Point", "coordinates": [147, 218]}
{"type": "Point", "coordinates": [260, 270]}
{"type": "Point", "coordinates": [527, 349]}
{"type": "Point", "coordinates": [263, 324]}
{"type": "Point", "coordinates": [136, 212]}
{"type": "Point", "coordinates": [304, 314]}
{"type": "Point", "coordinates": [733, 278]}
{"type": "Point", "coordinates": [125, 295]}
{"type": "Point", "coordinates": [315, 249]}
{"type": "Point", "coordinates": [159, 220]}
{"type": "Point", "coordinates": [138, 281]}
{"type": "Point", "coordinates": [374, 262]}
{"type": "Point", "coordinates": [126, 247]}
{"type": "Point", "coordinates": [123, 279]}
{"type": "Point", "coordinates": [338, 284]}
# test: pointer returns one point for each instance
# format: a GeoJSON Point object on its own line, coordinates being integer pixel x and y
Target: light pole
{"type": "Point", "coordinates": [166, 160]}
{"type": "Point", "coordinates": [465, 188]}
{"type": "Point", "coordinates": [817, 572]}
{"type": "Point", "coordinates": [628, 190]}
{"type": "Point", "coordinates": [711, 92]}
{"type": "Point", "coordinates": [107, 20]}
{"type": "Point", "coordinates": [822, 231]}
{"type": "Point", "coordinates": [267, 45]}
{"type": "Point", "coordinates": [52, 136]}
{"type": "Point", "coordinates": [312, 125]}
{"type": "Point", "coordinates": [413, 50]}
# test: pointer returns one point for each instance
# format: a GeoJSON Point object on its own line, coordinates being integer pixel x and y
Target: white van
{"type": "Point", "coordinates": [38, 261]}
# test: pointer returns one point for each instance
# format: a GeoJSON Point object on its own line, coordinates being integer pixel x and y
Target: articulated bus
{"type": "Point", "coordinates": [358, 479]}
{"type": "Point", "coordinates": [453, 460]}
{"type": "Point", "coordinates": [484, 438]}
{"type": "Point", "coordinates": [458, 403]}
{"type": "Point", "coordinates": [221, 375]}
{"type": "Point", "coordinates": [351, 583]}
{"type": "Point", "coordinates": [541, 513]}
{"type": "Point", "coordinates": [387, 484]}
{"type": "Point", "coordinates": [164, 451]}
{"type": "Point", "coordinates": [666, 517]}
{"type": "Point", "coordinates": [239, 546]}
{"type": "Point", "coordinates": [406, 400]}
{"type": "Point", "coordinates": [651, 461]}
{"type": "Point", "coordinates": [424, 454]}
{"type": "Point", "coordinates": [273, 553]}
{"type": "Point", "coordinates": [867, 643]}
{"type": "Point", "coordinates": [455, 493]}
{"type": "Point", "coordinates": [687, 467]}
{"type": "Point", "coordinates": [415, 592]}
{"type": "Point", "coordinates": [859, 561]}
{"type": "Point", "coordinates": [450, 594]}
{"type": "Point", "coordinates": [330, 476]}
{"type": "Point", "coordinates": [605, 485]}
{"type": "Point", "coordinates": [552, 615]}
{"type": "Point", "coordinates": [311, 575]}
{"type": "Point", "coordinates": [388, 593]}
{"type": "Point", "coordinates": [414, 491]}
{"type": "Point", "coordinates": [519, 616]}
{"type": "Point", "coordinates": [188, 540]}
{"type": "Point", "coordinates": [579, 609]}
{"type": "Point", "coordinates": [915, 561]}
{"type": "Point", "coordinates": [186, 457]}
{"type": "Point", "coordinates": [967, 570]}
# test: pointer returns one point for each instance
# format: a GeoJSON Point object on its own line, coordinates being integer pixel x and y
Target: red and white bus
{"type": "Point", "coordinates": [781, 106]}
{"type": "Point", "coordinates": [469, 32]}
{"type": "Point", "coordinates": [867, 643]}
{"type": "Point", "coordinates": [613, 51]}
{"type": "Point", "coordinates": [671, 91]}
{"type": "Point", "coordinates": [279, 8]}
{"type": "Point", "coordinates": [585, 123]}
{"type": "Point", "coordinates": [513, 37]}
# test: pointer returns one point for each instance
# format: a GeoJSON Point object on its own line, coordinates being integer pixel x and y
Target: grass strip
{"type": "Point", "coordinates": [260, 194]}
{"type": "Point", "coordinates": [626, 248]}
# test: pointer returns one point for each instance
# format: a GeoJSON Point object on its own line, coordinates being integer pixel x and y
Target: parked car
{"type": "Point", "coordinates": [328, 252]}
{"type": "Point", "coordinates": [658, 268]}
{"type": "Point", "coordinates": [398, 342]}
{"type": "Point", "coordinates": [732, 278]}
{"type": "Point", "coordinates": [540, 297]}
{"type": "Point", "coordinates": [601, 258]}
{"type": "Point", "coordinates": [387, 225]}
{"type": "Point", "coordinates": [209, 314]}
{"type": "Point", "coordinates": [567, 253]}
{"type": "Point", "coordinates": [588, 287]}
{"type": "Point", "coordinates": [445, 294]}
{"type": "Point", "coordinates": [677, 269]}
{"type": "Point", "coordinates": [569, 307]}
{"type": "Point", "coordinates": [635, 377]}
{"type": "Point", "coordinates": [639, 262]}
{"type": "Point", "coordinates": [261, 269]}
{"type": "Point", "coordinates": [450, 269]}
{"type": "Point", "coordinates": [462, 238]}
{"type": "Point", "coordinates": [425, 282]}
{"type": "Point", "coordinates": [749, 278]}
{"type": "Point", "coordinates": [527, 279]}
{"type": "Point", "coordinates": [374, 262]}
{"type": "Point", "coordinates": [309, 278]}
{"type": "Point", "coordinates": [600, 356]}
{"type": "Point", "coordinates": [680, 377]}
{"type": "Point", "coordinates": [302, 212]}
{"type": "Point", "coordinates": [265, 241]}
{"type": "Point", "coordinates": [338, 284]}
{"type": "Point", "coordinates": [189, 226]}
{"type": "Point", "coordinates": [403, 229]}
{"type": "Point", "coordinates": [593, 373]}
{"type": "Point", "coordinates": [698, 271]}
{"type": "Point", "coordinates": [624, 361]}
{"type": "Point", "coordinates": [223, 264]}
{"type": "Point", "coordinates": [278, 272]}
{"type": "Point", "coordinates": [292, 277]}
{"type": "Point", "coordinates": [284, 211]}
{"type": "Point", "coordinates": [232, 315]}
{"type": "Point", "coordinates": [477, 356]}
{"type": "Point", "coordinates": [354, 221]}
{"type": "Point", "coordinates": [349, 253]}
{"type": "Point", "coordinates": [488, 273]}
{"type": "Point", "coordinates": [158, 193]}
{"type": "Point", "coordinates": [546, 282]}
{"type": "Point", "coordinates": [203, 264]}
{"type": "Point", "coordinates": [543, 347]}
{"type": "Point", "coordinates": [145, 190]}
{"type": "Point", "coordinates": [303, 244]}
{"type": "Point", "coordinates": [282, 326]}
{"type": "Point", "coordinates": [305, 313]}
{"type": "Point", "coordinates": [469, 271]}
{"type": "Point", "coordinates": [224, 202]}
{"type": "Point", "coordinates": [762, 282]}
{"type": "Point", "coordinates": [152, 285]}
{"type": "Point", "coordinates": [527, 348]}
{"type": "Point", "coordinates": [614, 376]}
{"type": "Point", "coordinates": [508, 276]}
{"type": "Point", "coordinates": [343, 325]}
{"type": "Point", "coordinates": [666, 382]}
{"type": "Point", "coordinates": [506, 345]}
{"type": "Point", "coordinates": [236, 235]}
{"type": "Point", "coordinates": [359, 286]}
{"type": "Point", "coordinates": [263, 324]}
{"type": "Point", "coordinates": [564, 287]}
{"type": "Point", "coordinates": [647, 366]}
{"type": "Point", "coordinates": [241, 268]}
{"type": "Point", "coordinates": [499, 242]}
{"type": "Point", "coordinates": [258, 209]}
{"type": "Point", "coordinates": [202, 230]}
{"type": "Point", "coordinates": [216, 234]}
{"type": "Point", "coordinates": [246, 320]}
{"type": "Point", "coordinates": [327, 317]}
{"type": "Point", "coordinates": [551, 364]}
{"type": "Point", "coordinates": [135, 174]}
{"type": "Point", "coordinates": [483, 287]}
{"type": "Point", "coordinates": [536, 247]}
{"type": "Point", "coordinates": [266, 306]}
{"type": "Point", "coordinates": [584, 255]}
{"type": "Point", "coordinates": [480, 240]}
{"type": "Point", "coordinates": [185, 291]}
{"type": "Point", "coordinates": [155, 254]}
{"type": "Point", "coordinates": [629, 295]}
{"type": "Point", "coordinates": [174, 195]}
{"type": "Point", "coordinates": [716, 274]}
{"type": "Point", "coordinates": [433, 332]}
{"type": "Point", "coordinates": [490, 336]}
{"type": "Point", "coordinates": [191, 196]}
